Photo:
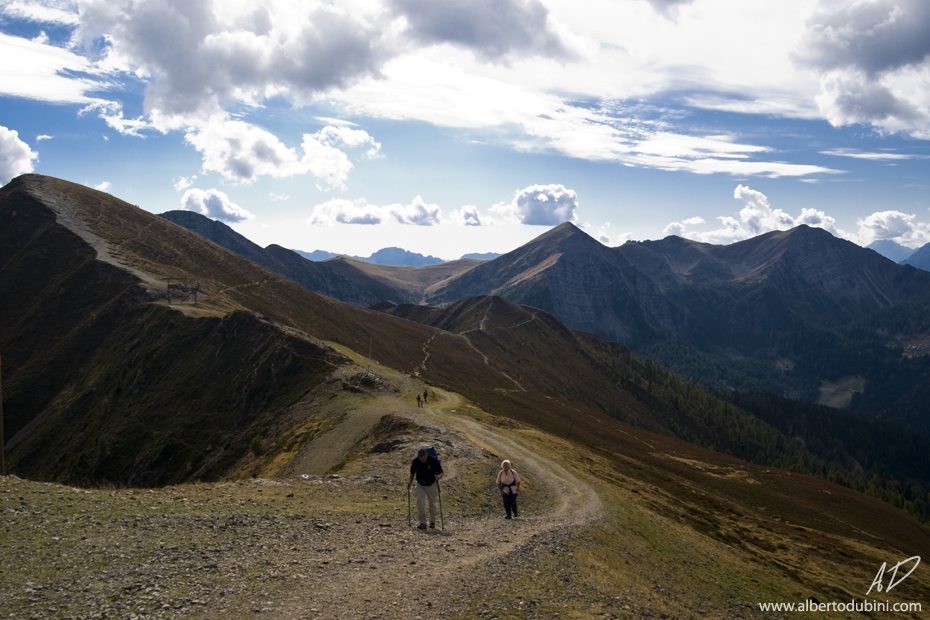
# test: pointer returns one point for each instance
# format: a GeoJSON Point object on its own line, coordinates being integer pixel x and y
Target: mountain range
{"type": "Point", "coordinates": [799, 313]}
{"type": "Point", "coordinates": [138, 353]}
{"type": "Point", "coordinates": [386, 256]}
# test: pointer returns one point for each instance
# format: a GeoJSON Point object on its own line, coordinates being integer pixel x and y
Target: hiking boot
{"type": "Point", "coordinates": [507, 517]}
{"type": "Point", "coordinates": [422, 526]}
{"type": "Point", "coordinates": [432, 526]}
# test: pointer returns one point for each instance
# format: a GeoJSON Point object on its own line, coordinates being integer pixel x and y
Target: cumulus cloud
{"type": "Point", "coordinates": [874, 60]}
{"type": "Point", "coordinates": [348, 138]}
{"type": "Point", "coordinates": [214, 204]}
{"type": "Point", "coordinates": [755, 218]}
{"type": "Point", "coordinates": [469, 215]}
{"type": "Point", "coordinates": [874, 36]}
{"type": "Point", "coordinates": [102, 186]}
{"type": "Point", "coordinates": [338, 210]}
{"type": "Point", "coordinates": [895, 226]}
{"type": "Point", "coordinates": [201, 55]}
{"type": "Point", "coordinates": [492, 29]}
{"type": "Point", "coordinates": [758, 215]}
{"type": "Point", "coordinates": [15, 155]}
{"type": "Point", "coordinates": [242, 152]}
{"type": "Point", "coordinates": [540, 205]}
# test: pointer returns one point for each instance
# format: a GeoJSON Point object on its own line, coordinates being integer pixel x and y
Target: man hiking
{"type": "Point", "coordinates": [427, 470]}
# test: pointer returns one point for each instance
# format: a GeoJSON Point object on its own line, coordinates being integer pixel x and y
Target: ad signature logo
{"type": "Point", "coordinates": [892, 581]}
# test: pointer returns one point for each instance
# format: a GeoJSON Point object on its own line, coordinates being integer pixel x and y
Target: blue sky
{"type": "Point", "coordinates": [476, 125]}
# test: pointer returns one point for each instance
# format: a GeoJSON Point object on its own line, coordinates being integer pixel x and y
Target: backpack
{"type": "Point", "coordinates": [431, 451]}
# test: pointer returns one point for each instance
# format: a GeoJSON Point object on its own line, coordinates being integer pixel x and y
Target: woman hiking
{"type": "Point", "coordinates": [508, 481]}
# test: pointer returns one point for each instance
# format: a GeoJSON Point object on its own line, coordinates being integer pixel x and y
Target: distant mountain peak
{"type": "Point", "coordinates": [891, 250]}
{"type": "Point", "coordinates": [401, 258]}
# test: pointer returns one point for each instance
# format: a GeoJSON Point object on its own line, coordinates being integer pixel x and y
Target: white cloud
{"type": "Point", "coordinates": [874, 61]}
{"type": "Point", "coordinates": [446, 91]}
{"type": "Point", "coordinates": [338, 210]}
{"type": "Point", "coordinates": [348, 138]}
{"type": "Point", "coordinates": [184, 182]}
{"type": "Point", "coordinates": [42, 136]}
{"type": "Point", "coordinates": [469, 215]}
{"type": "Point", "coordinates": [713, 154]}
{"type": "Point", "coordinates": [499, 65]}
{"type": "Point", "coordinates": [755, 218]}
{"type": "Point", "coordinates": [857, 154]}
{"type": "Point", "coordinates": [59, 13]}
{"type": "Point", "coordinates": [15, 155]}
{"type": "Point", "coordinates": [46, 73]}
{"type": "Point", "coordinates": [214, 204]}
{"type": "Point", "coordinates": [603, 233]}
{"type": "Point", "coordinates": [758, 215]}
{"type": "Point", "coordinates": [102, 186]}
{"type": "Point", "coordinates": [278, 197]}
{"type": "Point", "coordinates": [200, 55]}
{"type": "Point", "coordinates": [674, 228]}
{"type": "Point", "coordinates": [342, 211]}
{"type": "Point", "coordinates": [894, 225]}
{"type": "Point", "coordinates": [492, 29]}
{"type": "Point", "coordinates": [542, 205]}
{"type": "Point", "coordinates": [242, 152]}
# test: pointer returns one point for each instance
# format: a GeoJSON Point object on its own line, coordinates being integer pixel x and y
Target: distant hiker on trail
{"type": "Point", "coordinates": [419, 404]}
{"type": "Point", "coordinates": [508, 481]}
{"type": "Point", "coordinates": [424, 397]}
{"type": "Point", "coordinates": [428, 471]}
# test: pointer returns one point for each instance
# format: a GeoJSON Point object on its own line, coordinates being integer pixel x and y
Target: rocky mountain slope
{"type": "Point", "coordinates": [336, 279]}
{"type": "Point", "coordinates": [788, 312]}
{"type": "Point", "coordinates": [920, 258]}
{"type": "Point", "coordinates": [164, 388]}
{"type": "Point", "coordinates": [799, 313]}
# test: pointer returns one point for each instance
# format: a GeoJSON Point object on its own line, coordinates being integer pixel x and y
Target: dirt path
{"type": "Point", "coordinates": [407, 573]}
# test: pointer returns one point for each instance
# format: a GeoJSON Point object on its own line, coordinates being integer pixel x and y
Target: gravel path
{"type": "Point", "coordinates": [440, 573]}
{"type": "Point", "coordinates": [302, 547]}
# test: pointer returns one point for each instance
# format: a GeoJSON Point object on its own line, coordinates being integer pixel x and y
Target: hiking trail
{"type": "Point", "coordinates": [383, 575]}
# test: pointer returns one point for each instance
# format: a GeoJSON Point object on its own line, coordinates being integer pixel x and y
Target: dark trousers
{"type": "Point", "coordinates": [510, 504]}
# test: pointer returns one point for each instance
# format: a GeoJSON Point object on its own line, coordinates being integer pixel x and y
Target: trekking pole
{"type": "Point", "coordinates": [442, 521]}
{"type": "Point", "coordinates": [408, 505]}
